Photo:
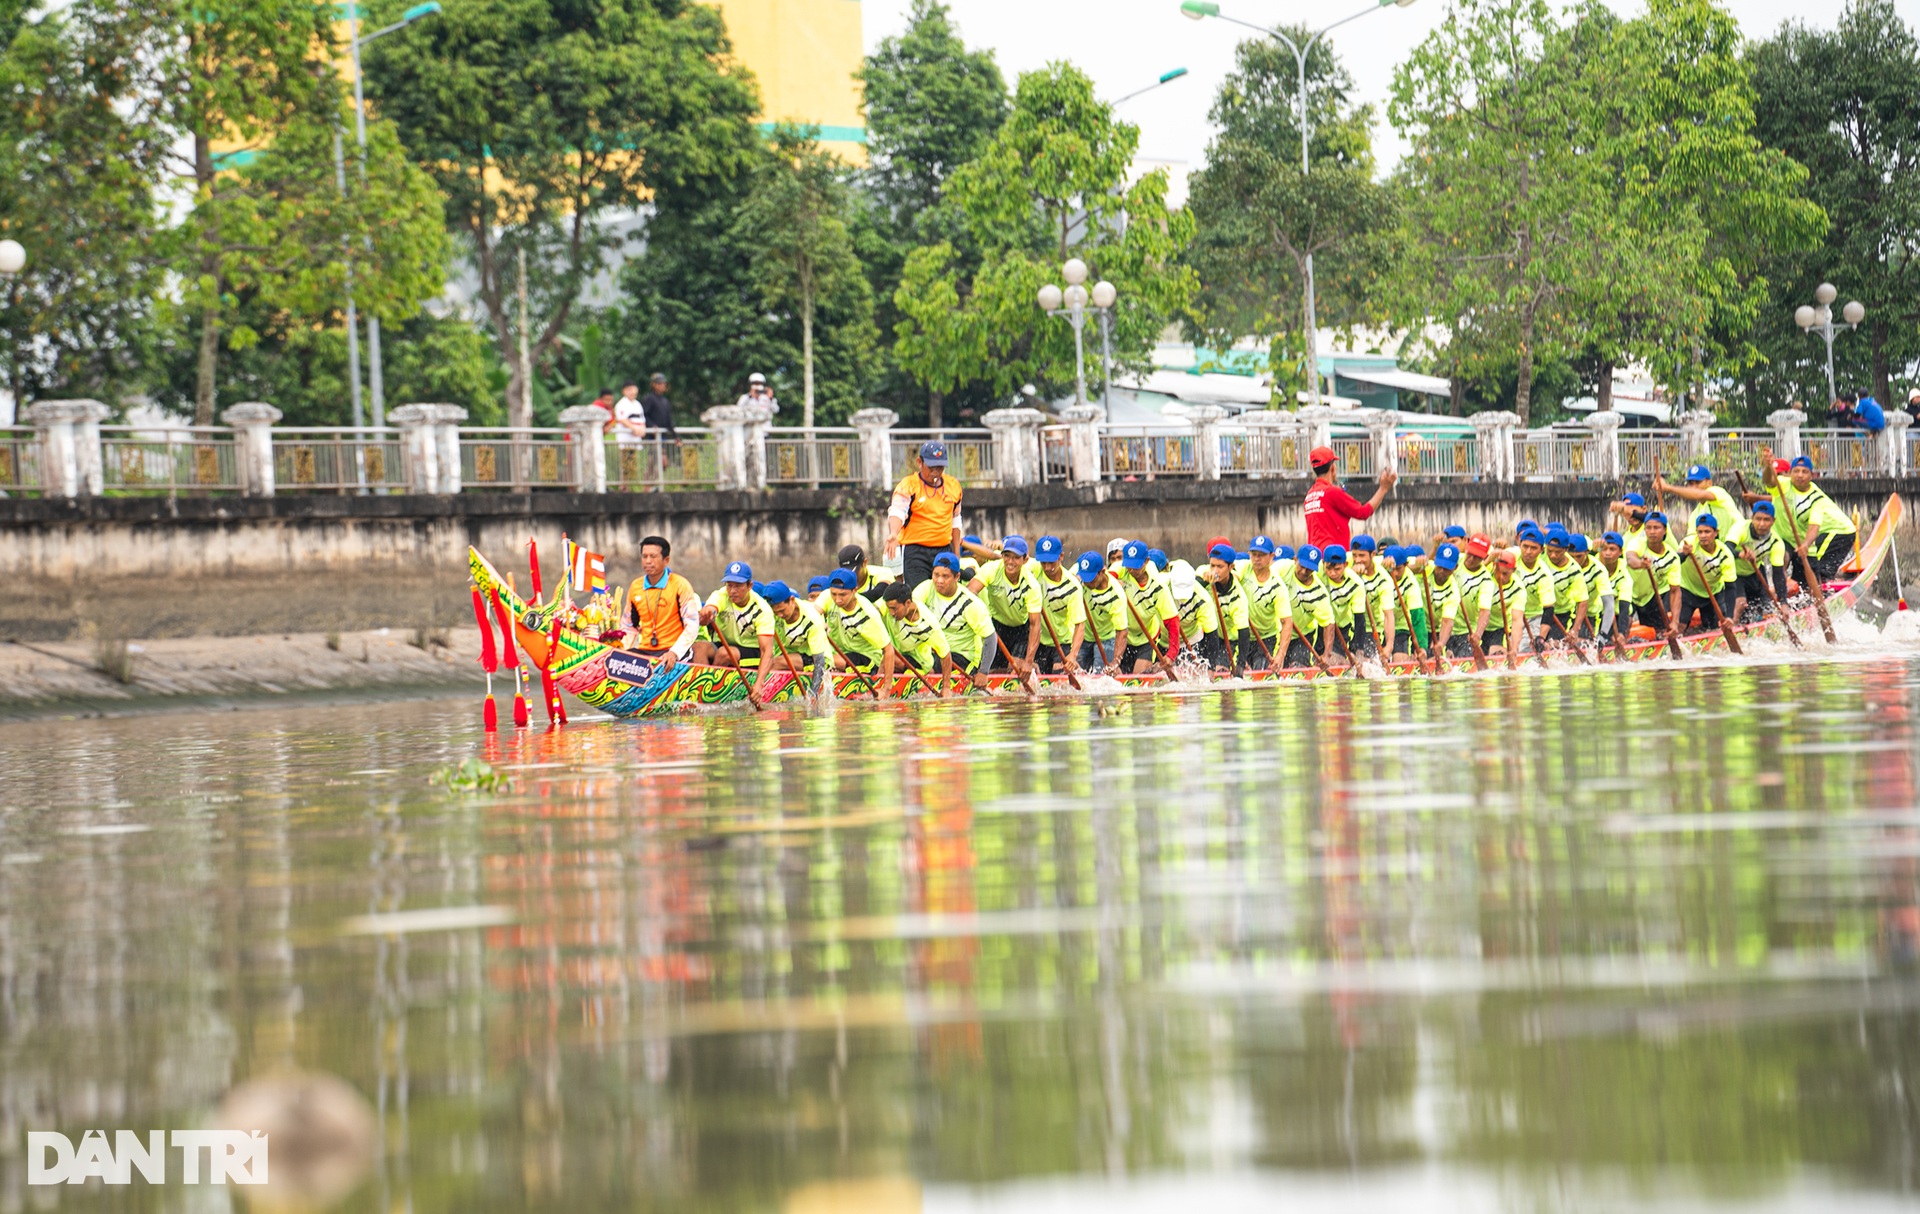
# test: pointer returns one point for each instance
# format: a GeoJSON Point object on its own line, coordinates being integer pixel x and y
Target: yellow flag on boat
{"type": "Point", "coordinates": [586, 571]}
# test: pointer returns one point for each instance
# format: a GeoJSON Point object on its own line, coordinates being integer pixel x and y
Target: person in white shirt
{"type": "Point", "coordinates": [629, 419]}
{"type": "Point", "coordinates": [758, 393]}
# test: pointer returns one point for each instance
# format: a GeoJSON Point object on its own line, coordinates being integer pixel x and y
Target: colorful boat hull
{"type": "Point", "coordinates": [626, 684]}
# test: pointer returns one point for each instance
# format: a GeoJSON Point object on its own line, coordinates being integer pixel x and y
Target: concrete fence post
{"type": "Point", "coordinates": [1016, 444]}
{"type": "Point", "coordinates": [1206, 421]}
{"type": "Point", "coordinates": [586, 437]}
{"type": "Point", "coordinates": [1318, 421]}
{"type": "Point", "coordinates": [252, 423]}
{"type": "Point", "coordinates": [70, 463]}
{"type": "Point", "coordinates": [876, 445]}
{"type": "Point", "coordinates": [1083, 442]}
{"type": "Point", "coordinates": [430, 446]}
{"type": "Point", "coordinates": [1493, 440]}
{"type": "Point", "coordinates": [729, 445]}
{"type": "Point", "coordinates": [1893, 441]}
{"type": "Point", "coordinates": [1694, 427]}
{"type": "Point", "coordinates": [1605, 425]}
{"type": "Point", "coordinates": [1786, 425]}
{"type": "Point", "coordinates": [1380, 428]}
{"type": "Point", "coordinates": [756, 420]}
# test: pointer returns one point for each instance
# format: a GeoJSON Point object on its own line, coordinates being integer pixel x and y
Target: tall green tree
{"type": "Point", "coordinates": [542, 124]}
{"type": "Point", "coordinates": [1258, 218]}
{"type": "Point", "coordinates": [1052, 184]}
{"type": "Point", "coordinates": [1846, 104]}
{"type": "Point", "coordinates": [794, 217]}
{"type": "Point", "coordinates": [932, 105]}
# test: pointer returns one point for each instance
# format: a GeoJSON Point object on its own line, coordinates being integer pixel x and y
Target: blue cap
{"type": "Point", "coordinates": [1455, 532]}
{"type": "Point", "coordinates": [1261, 543]}
{"type": "Point", "coordinates": [1765, 508]}
{"type": "Point", "coordinates": [1158, 558]}
{"type": "Point", "coordinates": [776, 593]}
{"type": "Point", "coordinates": [1395, 553]}
{"type": "Point", "coordinates": [1222, 552]}
{"type": "Point", "coordinates": [1802, 461]}
{"type": "Point", "coordinates": [739, 573]}
{"type": "Point", "coordinates": [1614, 538]}
{"type": "Point", "coordinates": [1134, 556]}
{"type": "Point", "coordinates": [816, 584]}
{"type": "Point", "coordinates": [1283, 553]}
{"type": "Point", "coordinates": [1364, 543]}
{"type": "Point", "coordinates": [969, 539]}
{"type": "Point", "coordinates": [1526, 524]}
{"type": "Point", "coordinates": [947, 560]}
{"type": "Point", "coordinates": [760, 588]}
{"type": "Point", "coordinates": [842, 579]}
{"type": "Point", "coordinates": [1578, 543]}
{"type": "Point", "coordinates": [1307, 557]}
{"type": "Point", "coordinates": [1334, 554]}
{"type": "Point", "coordinates": [1557, 539]}
{"type": "Point", "coordinates": [1414, 550]}
{"type": "Point", "coordinates": [1015, 544]}
{"type": "Point", "coordinates": [933, 453]}
{"type": "Point", "coordinates": [1706, 520]}
{"type": "Point", "coordinates": [1699, 472]}
{"type": "Point", "coordinates": [1446, 556]}
{"type": "Point", "coordinates": [1656, 516]}
{"type": "Point", "coordinates": [1090, 566]}
{"type": "Point", "coordinates": [1048, 549]}
{"type": "Point", "coordinates": [1635, 499]}
{"type": "Point", "coordinates": [1533, 534]}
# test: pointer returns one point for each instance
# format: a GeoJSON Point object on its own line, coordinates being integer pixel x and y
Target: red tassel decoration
{"type": "Point", "coordinates": [533, 560]}
{"type": "Point", "coordinates": [512, 659]}
{"type": "Point", "coordinates": [489, 661]}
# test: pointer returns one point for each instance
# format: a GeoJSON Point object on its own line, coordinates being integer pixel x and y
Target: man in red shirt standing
{"type": "Point", "coordinates": [1329, 507]}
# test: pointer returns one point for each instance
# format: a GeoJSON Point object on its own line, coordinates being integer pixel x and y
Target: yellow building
{"type": "Point", "coordinates": [804, 54]}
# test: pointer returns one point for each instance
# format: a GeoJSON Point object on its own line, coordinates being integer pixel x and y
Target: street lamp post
{"type": "Point", "coordinates": [13, 259]}
{"type": "Point", "coordinates": [1072, 303]}
{"type": "Point", "coordinates": [1819, 320]}
{"type": "Point", "coordinates": [1200, 10]}
{"type": "Point", "coordinates": [1165, 78]}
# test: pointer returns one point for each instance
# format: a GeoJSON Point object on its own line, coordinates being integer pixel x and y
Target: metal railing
{"type": "Point", "coordinates": [1730, 449]}
{"type": "Point", "coordinates": [1355, 454]}
{"type": "Point", "coordinates": [1644, 452]}
{"type": "Point", "coordinates": [1146, 452]}
{"type": "Point", "coordinates": [503, 458]}
{"type": "Point", "coordinates": [335, 459]}
{"type": "Point", "coordinates": [190, 459]}
{"type": "Point", "coordinates": [19, 461]}
{"type": "Point", "coordinates": [821, 456]}
{"type": "Point", "coordinates": [1056, 454]}
{"type": "Point", "coordinates": [1446, 457]}
{"type": "Point", "coordinates": [1839, 452]}
{"type": "Point", "coordinates": [969, 453]}
{"type": "Point", "coordinates": [689, 460]}
{"type": "Point", "coordinates": [1542, 455]}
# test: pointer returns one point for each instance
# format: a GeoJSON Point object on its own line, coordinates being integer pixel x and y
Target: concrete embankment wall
{"type": "Point", "coordinates": [154, 567]}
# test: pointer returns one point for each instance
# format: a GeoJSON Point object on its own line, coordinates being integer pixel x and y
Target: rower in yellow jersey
{"type": "Point", "coordinates": [1063, 613]}
{"type": "Point", "coordinates": [917, 636]}
{"type": "Point", "coordinates": [1153, 626]}
{"type": "Point", "coordinates": [857, 630]}
{"type": "Point", "coordinates": [971, 639]}
{"type": "Point", "coordinates": [1652, 563]}
{"type": "Point", "coordinates": [1106, 614]}
{"type": "Point", "coordinates": [1005, 584]}
{"type": "Point", "coordinates": [1234, 602]}
{"type": "Point", "coordinates": [1264, 582]}
{"type": "Point", "coordinates": [800, 639]}
{"type": "Point", "coordinates": [1306, 620]}
{"type": "Point", "coordinates": [1383, 607]}
{"type": "Point", "coordinates": [1200, 623]}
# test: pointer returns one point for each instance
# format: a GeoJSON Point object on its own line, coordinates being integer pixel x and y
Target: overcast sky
{"type": "Point", "coordinates": [1125, 44]}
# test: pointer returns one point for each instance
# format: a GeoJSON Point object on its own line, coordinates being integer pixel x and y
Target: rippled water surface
{"type": "Point", "coordinates": [1613, 941]}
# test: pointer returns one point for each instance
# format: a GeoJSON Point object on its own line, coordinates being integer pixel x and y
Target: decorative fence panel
{"type": "Point", "coordinates": [820, 456]}
{"type": "Point", "coordinates": [328, 459]}
{"type": "Point", "coordinates": [184, 459]}
{"type": "Point", "coordinates": [19, 461]}
{"type": "Point", "coordinates": [515, 459]}
{"type": "Point", "coordinates": [689, 460]}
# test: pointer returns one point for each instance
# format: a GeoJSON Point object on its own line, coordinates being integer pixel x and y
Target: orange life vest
{"type": "Point", "coordinates": [654, 611]}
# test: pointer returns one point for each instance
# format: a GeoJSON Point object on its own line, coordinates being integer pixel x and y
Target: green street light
{"type": "Point", "coordinates": [1200, 10]}
{"type": "Point", "coordinates": [420, 10]}
{"type": "Point", "coordinates": [1165, 78]}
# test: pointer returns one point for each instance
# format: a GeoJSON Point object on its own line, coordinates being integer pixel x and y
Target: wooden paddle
{"type": "Point", "coordinates": [1773, 596]}
{"type": "Point", "coordinates": [1220, 621]}
{"type": "Point", "coordinates": [1660, 603]}
{"type": "Point", "coordinates": [1713, 600]}
{"type": "Point", "coordinates": [1506, 622]}
{"type": "Point", "coordinates": [1420, 655]}
{"type": "Point", "coordinates": [1065, 662]}
{"type": "Point", "coordinates": [872, 688]}
{"type": "Point", "coordinates": [1340, 635]}
{"type": "Point", "coordinates": [1151, 643]}
{"type": "Point", "coordinates": [1806, 566]}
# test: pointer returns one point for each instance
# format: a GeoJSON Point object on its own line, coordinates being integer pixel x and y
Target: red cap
{"type": "Point", "coordinates": [1781, 465]}
{"type": "Point", "coordinates": [1320, 456]}
{"type": "Point", "coordinates": [1479, 545]}
{"type": "Point", "coordinates": [1218, 540]}
{"type": "Point", "coordinates": [1504, 558]}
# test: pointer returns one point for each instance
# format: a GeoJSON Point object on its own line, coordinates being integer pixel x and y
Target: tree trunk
{"type": "Point", "coordinates": [935, 399]}
{"type": "Point", "coordinates": [207, 366]}
{"type": "Point", "coordinates": [1523, 387]}
{"type": "Point", "coordinates": [1882, 371]}
{"type": "Point", "coordinates": [806, 359]}
{"type": "Point", "coordinates": [1603, 391]}
{"type": "Point", "coordinates": [1456, 393]}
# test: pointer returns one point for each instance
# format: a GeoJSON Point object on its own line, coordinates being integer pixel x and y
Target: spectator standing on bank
{"type": "Point", "coordinates": [1859, 412]}
{"type": "Point", "coordinates": [758, 393]}
{"type": "Point", "coordinates": [604, 403]}
{"type": "Point", "coordinates": [1329, 507]}
{"type": "Point", "coordinates": [1913, 404]}
{"type": "Point", "coordinates": [658, 410]}
{"type": "Point", "coordinates": [630, 420]}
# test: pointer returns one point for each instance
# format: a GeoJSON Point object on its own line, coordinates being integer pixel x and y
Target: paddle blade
{"type": "Point", "coordinates": [489, 660]}
{"type": "Point", "coordinates": [489, 716]}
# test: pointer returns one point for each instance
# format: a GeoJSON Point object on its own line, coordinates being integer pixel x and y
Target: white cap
{"type": "Point", "coordinates": [756, 378]}
{"type": "Point", "coordinates": [1029, 390]}
{"type": "Point", "coordinates": [1118, 541]}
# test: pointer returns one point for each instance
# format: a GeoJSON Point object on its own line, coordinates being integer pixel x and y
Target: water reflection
{"type": "Point", "coordinates": [1554, 940]}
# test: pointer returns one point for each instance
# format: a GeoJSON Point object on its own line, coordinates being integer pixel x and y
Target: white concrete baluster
{"type": "Point", "coordinates": [876, 444]}
{"type": "Point", "coordinates": [252, 423]}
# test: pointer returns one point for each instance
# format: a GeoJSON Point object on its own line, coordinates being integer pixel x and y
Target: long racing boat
{"type": "Point", "coordinates": [629, 684]}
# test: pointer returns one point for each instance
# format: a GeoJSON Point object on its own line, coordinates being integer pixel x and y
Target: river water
{"type": "Point", "coordinates": [1588, 941]}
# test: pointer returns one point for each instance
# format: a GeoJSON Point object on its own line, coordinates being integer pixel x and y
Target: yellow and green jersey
{"type": "Point", "coordinates": [1309, 605]}
{"type": "Point", "coordinates": [1347, 597]}
{"type": "Point", "coordinates": [1060, 605]}
{"type": "Point", "coordinates": [860, 632]}
{"type": "Point", "coordinates": [1716, 565]}
{"type": "Point", "coordinates": [1106, 611]}
{"type": "Point", "coordinates": [1811, 508]}
{"type": "Point", "coordinates": [805, 635]}
{"type": "Point", "coordinates": [921, 641]}
{"type": "Point", "coordinates": [1382, 603]}
{"type": "Point", "coordinates": [1197, 616]}
{"type": "Point", "coordinates": [1009, 600]}
{"type": "Point", "coordinates": [1537, 581]}
{"type": "Point", "coordinates": [1645, 581]}
{"type": "Point", "coordinates": [1234, 602]}
{"type": "Point", "coordinates": [962, 616]}
{"type": "Point", "coordinates": [1722, 507]}
{"type": "Point", "coordinates": [1569, 586]}
{"type": "Point", "coordinates": [1152, 606]}
{"type": "Point", "coordinates": [1769, 550]}
{"type": "Point", "coordinates": [1471, 589]}
{"type": "Point", "coordinates": [738, 625]}
{"type": "Point", "coordinates": [1265, 600]}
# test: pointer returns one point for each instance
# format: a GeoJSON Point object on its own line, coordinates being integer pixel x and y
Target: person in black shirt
{"type": "Point", "coordinates": [657, 408]}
